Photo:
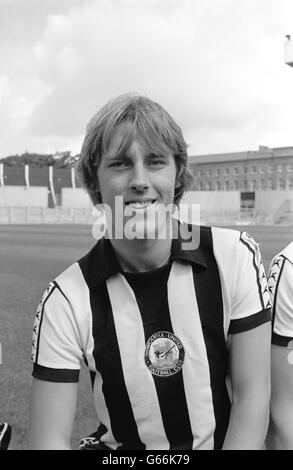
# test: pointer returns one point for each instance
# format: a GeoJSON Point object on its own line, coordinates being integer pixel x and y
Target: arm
{"type": "Point", "coordinates": [56, 353]}
{"type": "Point", "coordinates": [280, 435]}
{"type": "Point", "coordinates": [52, 412]}
{"type": "Point", "coordinates": [250, 380]}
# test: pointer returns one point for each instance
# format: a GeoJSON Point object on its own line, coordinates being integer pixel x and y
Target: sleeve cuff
{"type": "Point", "coordinates": [284, 341]}
{"type": "Point", "coordinates": [248, 323]}
{"type": "Point", "coordinates": [55, 375]}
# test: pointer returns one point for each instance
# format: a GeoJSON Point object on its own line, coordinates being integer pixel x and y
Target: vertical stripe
{"type": "Point", "coordinates": [253, 251]}
{"type": "Point", "coordinates": [39, 318]}
{"type": "Point", "coordinates": [108, 363]}
{"type": "Point", "coordinates": [103, 413]}
{"type": "Point", "coordinates": [81, 306]}
{"type": "Point", "coordinates": [138, 380]}
{"type": "Point", "coordinates": [215, 312]}
{"type": "Point", "coordinates": [186, 323]}
{"type": "Point", "coordinates": [276, 292]}
{"type": "Point", "coordinates": [91, 313]}
{"type": "Point", "coordinates": [170, 389]}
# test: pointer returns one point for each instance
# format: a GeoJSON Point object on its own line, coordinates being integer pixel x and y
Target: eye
{"type": "Point", "coordinates": [157, 162]}
{"type": "Point", "coordinates": [156, 159]}
{"type": "Point", "coordinates": [118, 164]}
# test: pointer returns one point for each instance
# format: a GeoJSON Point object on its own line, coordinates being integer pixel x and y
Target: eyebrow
{"type": "Point", "coordinates": [126, 156]}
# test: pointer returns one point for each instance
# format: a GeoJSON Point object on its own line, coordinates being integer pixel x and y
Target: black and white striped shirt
{"type": "Point", "coordinates": [158, 356]}
{"type": "Point", "coordinates": [280, 283]}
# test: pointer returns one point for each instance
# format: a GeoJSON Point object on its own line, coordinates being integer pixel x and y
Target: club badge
{"type": "Point", "coordinates": [164, 354]}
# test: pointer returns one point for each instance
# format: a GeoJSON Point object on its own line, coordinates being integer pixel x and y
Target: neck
{"type": "Point", "coordinates": [142, 255]}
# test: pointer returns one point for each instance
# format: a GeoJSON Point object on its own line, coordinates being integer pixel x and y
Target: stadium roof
{"type": "Point", "coordinates": [261, 153]}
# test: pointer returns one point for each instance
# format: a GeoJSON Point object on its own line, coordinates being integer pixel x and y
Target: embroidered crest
{"type": "Point", "coordinates": [164, 354]}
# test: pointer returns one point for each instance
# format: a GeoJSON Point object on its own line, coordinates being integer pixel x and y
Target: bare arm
{"type": "Point", "coordinates": [52, 412]}
{"type": "Point", "coordinates": [280, 435]}
{"type": "Point", "coordinates": [250, 377]}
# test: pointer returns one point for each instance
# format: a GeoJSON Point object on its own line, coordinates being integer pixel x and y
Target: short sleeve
{"type": "Point", "coordinates": [56, 346]}
{"type": "Point", "coordinates": [281, 289]}
{"type": "Point", "coordinates": [250, 298]}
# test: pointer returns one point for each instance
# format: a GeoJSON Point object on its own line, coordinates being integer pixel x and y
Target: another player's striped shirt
{"type": "Point", "coordinates": [280, 283]}
{"type": "Point", "coordinates": [156, 343]}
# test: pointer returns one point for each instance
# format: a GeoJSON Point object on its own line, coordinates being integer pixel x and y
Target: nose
{"type": "Point", "coordinates": [139, 180]}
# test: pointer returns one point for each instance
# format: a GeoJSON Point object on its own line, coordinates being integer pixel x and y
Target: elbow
{"type": "Point", "coordinates": [43, 441]}
{"type": "Point", "coordinates": [48, 445]}
{"type": "Point", "coordinates": [256, 401]}
{"type": "Point", "coordinates": [281, 424]}
{"type": "Point", "coordinates": [258, 395]}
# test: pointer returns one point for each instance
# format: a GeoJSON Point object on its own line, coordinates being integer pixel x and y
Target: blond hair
{"type": "Point", "coordinates": [143, 117]}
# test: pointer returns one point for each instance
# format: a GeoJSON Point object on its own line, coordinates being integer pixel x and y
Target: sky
{"type": "Point", "coordinates": [217, 66]}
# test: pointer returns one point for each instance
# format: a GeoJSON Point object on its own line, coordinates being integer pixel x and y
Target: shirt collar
{"type": "Point", "coordinates": [186, 245]}
{"type": "Point", "coordinates": [101, 262]}
{"type": "Point", "coordinates": [288, 252]}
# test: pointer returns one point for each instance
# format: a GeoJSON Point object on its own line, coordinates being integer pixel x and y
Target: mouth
{"type": "Point", "coordinates": [141, 204]}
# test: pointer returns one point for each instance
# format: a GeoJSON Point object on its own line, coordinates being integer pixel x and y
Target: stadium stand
{"type": "Point", "coordinates": [62, 200]}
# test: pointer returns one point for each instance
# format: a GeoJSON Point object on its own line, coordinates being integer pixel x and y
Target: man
{"type": "Point", "coordinates": [158, 318]}
{"type": "Point", "coordinates": [281, 287]}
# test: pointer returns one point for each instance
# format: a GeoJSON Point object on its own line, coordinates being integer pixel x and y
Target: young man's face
{"type": "Point", "coordinates": [144, 180]}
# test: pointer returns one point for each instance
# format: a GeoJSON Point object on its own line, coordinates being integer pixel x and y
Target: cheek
{"type": "Point", "coordinates": [105, 179]}
{"type": "Point", "coordinates": [166, 186]}
{"type": "Point", "coordinates": [171, 178]}
{"type": "Point", "coordinates": [111, 187]}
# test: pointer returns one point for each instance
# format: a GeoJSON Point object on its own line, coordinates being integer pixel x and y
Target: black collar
{"type": "Point", "coordinates": [101, 262]}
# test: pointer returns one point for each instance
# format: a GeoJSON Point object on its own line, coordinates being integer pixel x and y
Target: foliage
{"type": "Point", "coordinates": [57, 160]}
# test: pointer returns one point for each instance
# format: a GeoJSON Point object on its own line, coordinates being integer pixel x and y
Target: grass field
{"type": "Point", "coordinates": [30, 257]}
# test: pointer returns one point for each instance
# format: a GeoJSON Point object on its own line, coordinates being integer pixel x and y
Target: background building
{"type": "Point", "coordinates": [263, 179]}
{"type": "Point", "coordinates": [251, 186]}
{"type": "Point", "coordinates": [264, 169]}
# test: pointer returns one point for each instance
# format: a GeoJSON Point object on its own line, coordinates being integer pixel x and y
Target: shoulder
{"type": "Point", "coordinates": [64, 292]}
{"type": "Point", "coordinates": [223, 243]}
{"type": "Point", "coordinates": [208, 233]}
{"type": "Point", "coordinates": [224, 235]}
{"type": "Point", "coordinates": [285, 254]}
{"type": "Point", "coordinates": [280, 283]}
{"type": "Point", "coordinates": [281, 265]}
{"type": "Point", "coordinates": [226, 240]}
{"type": "Point", "coordinates": [288, 252]}
{"type": "Point", "coordinates": [238, 259]}
{"type": "Point", "coordinates": [281, 271]}
{"type": "Point", "coordinates": [70, 280]}
{"type": "Point", "coordinates": [73, 282]}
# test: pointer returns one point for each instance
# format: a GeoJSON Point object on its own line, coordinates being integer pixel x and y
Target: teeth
{"type": "Point", "coordinates": [140, 205]}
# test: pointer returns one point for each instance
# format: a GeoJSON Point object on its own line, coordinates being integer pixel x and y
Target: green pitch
{"type": "Point", "coordinates": [30, 257]}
